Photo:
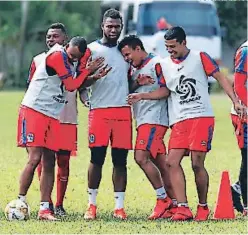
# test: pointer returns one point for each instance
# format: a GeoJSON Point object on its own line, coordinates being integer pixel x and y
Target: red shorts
{"type": "Point", "coordinates": [193, 134]}
{"type": "Point", "coordinates": [151, 138]}
{"type": "Point", "coordinates": [240, 127]}
{"type": "Point", "coordinates": [37, 130]}
{"type": "Point", "coordinates": [114, 124]}
{"type": "Point", "coordinates": [68, 137]}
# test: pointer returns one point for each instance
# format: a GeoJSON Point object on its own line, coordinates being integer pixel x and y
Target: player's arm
{"type": "Point", "coordinates": [31, 72]}
{"type": "Point", "coordinates": [212, 69]}
{"type": "Point", "coordinates": [240, 75]}
{"type": "Point", "coordinates": [160, 93]}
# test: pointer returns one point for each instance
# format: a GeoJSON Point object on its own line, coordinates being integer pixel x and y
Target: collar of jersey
{"type": "Point", "coordinates": [99, 41]}
{"type": "Point", "coordinates": [180, 59]}
{"type": "Point", "coordinates": [145, 61]}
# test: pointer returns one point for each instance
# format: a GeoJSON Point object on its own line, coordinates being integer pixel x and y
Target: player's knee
{"type": "Point", "coordinates": [140, 158]}
{"type": "Point", "coordinates": [34, 155]}
{"type": "Point", "coordinates": [119, 157]}
{"type": "Point", "coordinates": [63, 161]}
{"type": "Point", "coordinates": [197, 166]}
{"type": "Point", "coordinates": [98, 155]}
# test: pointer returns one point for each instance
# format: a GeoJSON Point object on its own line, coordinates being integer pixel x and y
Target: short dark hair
{"type": "Point", "coordinates": [177, 33]}
{"type": "Point", "coordinates": [58, 25]}
{"type": "Point", "coordinates": [79, 42]}
{"type": "Point", "coordinates": [112, 13]}
{"type": "Point", "coordinates": [132, 41]}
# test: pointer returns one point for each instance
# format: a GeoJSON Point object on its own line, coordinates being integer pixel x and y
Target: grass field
{"type": "Point", "coordinates": [140, 197]}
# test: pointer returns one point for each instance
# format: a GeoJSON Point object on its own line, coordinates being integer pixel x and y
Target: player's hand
{"type": "Point", "coordinates": [134, 98]}
{"type": "Point", "coordinates": [94, 65]}
{"type": "Point", "coordinates": [101, 72]}
{"type": "Point", "coordinates": [240, 109]}
{"type": "Point", "coordinates": [83, 60]}
{"type": "Point", "coordinates": [144, 80]}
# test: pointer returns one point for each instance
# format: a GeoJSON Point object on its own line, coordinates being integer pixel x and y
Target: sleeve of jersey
{"type": "Point", "coordinates": [31, 72]}
{"type": "Point", "coordinates": [241, 61]}
{"type": "Point", "coordinates": [160, 76]}
{"type": "Point", "coordinates": [83, 61]}
{"type": "Point", "coordinates": [59, 62]}
{"type": "Point", "coordinates": [209, 64]}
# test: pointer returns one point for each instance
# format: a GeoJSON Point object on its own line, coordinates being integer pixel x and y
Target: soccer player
{"type": "Point", "coordinates": [41, 106]}
{"type": "Point", "coordinates": [109, 116]}
{"type": "Point", "coordinates": [152, 121]}
{"type": "Point", "coordinates": [185, 73]}
{"type": "Point", "coordinates": [240, 125]}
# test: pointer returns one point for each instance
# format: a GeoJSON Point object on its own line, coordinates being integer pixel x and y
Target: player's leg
{"type": "Point", "coordinates": [121, 142]}
{"type": "Point", "coordinates": [63, 171]}
{"type": "Point", "coordinates": [200, 144]}
{"type": "Point", "coordinates": [243, 179]}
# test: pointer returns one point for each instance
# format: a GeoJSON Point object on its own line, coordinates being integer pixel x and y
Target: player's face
{"type": "Point", "coordinates": [73, 53]}
{"type": "Point", "coordinates": [112, 29]}
{"type": "Point", "coordinates": [54, 36]}
{"type": "Point", "coordinates": [132, 56]}
{"type": "Point", "coordinates": [175, 48]}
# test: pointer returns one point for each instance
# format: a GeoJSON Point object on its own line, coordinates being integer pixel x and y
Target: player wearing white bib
{"type": "Point", "coordinates": [151, 121]}
{"type": "Point", "coordinates": [109, 116]}
{"type": "Point", "coordinates": [38, 121]}
{"type": "Point", "coordinates": [56, 33]}
{"type": "Point", "coordinates": [185, 73]}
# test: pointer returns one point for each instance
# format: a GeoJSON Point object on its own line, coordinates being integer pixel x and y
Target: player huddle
{"type": "Point", "coordinates": [169, 93]}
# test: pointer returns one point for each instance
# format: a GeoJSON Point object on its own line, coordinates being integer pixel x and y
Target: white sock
{"type": "Point", "coordinates": [119, 200]}
{"type": "Point", "coordinates": [237, 188]}
{"type": "Point", "coordinates": [44, 205]}
{"type": "Point", "coordinates": [185, 204]}
{"type": "Point", "coordinates": [202, 204]}
{"type": "Point", "coordinates": [160, 192]}
{"type": "Point", "coordinates": [92, 196]}
{"type": "Point", "coordinates": [22, 198]}
{"type": "Point", "coordinates": [174, 201]}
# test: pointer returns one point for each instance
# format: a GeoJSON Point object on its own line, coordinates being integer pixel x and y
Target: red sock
{"type": "Point", "coordinates": [62, 177]}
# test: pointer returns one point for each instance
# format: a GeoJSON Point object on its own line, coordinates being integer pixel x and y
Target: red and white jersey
{"type": "Point", "coordinates": [187, 79]}
{"type": "Point", "coordinates": [46, 94]}
{"type": "Point", "coordinates": [241, 75]}
{"type": "Point", "coordinates": [150, 111]}
{"type": "Point", "coordinates": [111, 90]}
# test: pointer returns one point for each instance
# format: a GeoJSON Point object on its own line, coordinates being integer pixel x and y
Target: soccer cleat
{"type": "Point", "coordinates": [60, 211]}
{"type": "Point", "coordinates": [183, 213]}
{"type": "Point", "coordinates": [90, 213]}
{"type": "Point", "coordinates": [202, 213]}
{"type": "Point", "coordinates": [120, 214]}
{"type": "Point", "coordinates": [236, 200]}
{"type": "Point", "coordinates": [169, 213]}
{"type": "Point", "coordinates": [161, 206]}
{"type": "Point", "coordinates": [47, 215]}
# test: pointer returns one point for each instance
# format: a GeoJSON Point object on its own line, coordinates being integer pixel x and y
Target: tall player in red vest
{"type": "Point", "coordinates": [186, 72]}
{"type": "Point", "coordinates": [240, 125]}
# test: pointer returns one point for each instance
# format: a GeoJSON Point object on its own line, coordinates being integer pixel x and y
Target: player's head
{"type": "Point", "coordinates": [56, 33]}
{"type": "Point", "coordinates": [112, 25]}
{"type": "Point", "coordinates": [76, 48]}
{"type": "Point", "coordinates": [132, 49]}
{"type": "Point", "coordinates": [175, 41]}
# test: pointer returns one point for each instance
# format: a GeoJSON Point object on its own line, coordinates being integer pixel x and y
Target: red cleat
{"type": "Point", "coordinates": [169, 213]}
{"type": "Point", "coordinates": [120, 214]}
{"type": "Point", "coordinates": [47, 215]}
{"type": "Point", "coordinates": [90, 213]}
{"type": "Point", "coordinates": [183, 213]}
{"type": "Point", "coordinates": [202, 213]}
{"type": "Point", "coordinates": [161, 206]}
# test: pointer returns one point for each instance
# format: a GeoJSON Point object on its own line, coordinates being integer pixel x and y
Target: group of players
{"type": "Point", "coordinates": [172, 92]}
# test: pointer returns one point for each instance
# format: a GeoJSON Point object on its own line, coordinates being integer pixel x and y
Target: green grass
{"type": "Point", "coordinates": [140, 197]}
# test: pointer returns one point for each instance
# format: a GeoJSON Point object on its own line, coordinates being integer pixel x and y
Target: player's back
{"type": "Point", "coordinates": [111, 90]}
{"type": "Point", "coordinates": [150, 111]}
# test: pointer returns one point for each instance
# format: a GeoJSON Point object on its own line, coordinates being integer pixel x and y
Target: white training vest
{"type": "Point", "coordinates": [46, 94]}
{"type": "Point", "coordinates": [245, 44]}
{"type": "Point", "coordinates": [111, 90]}
{"type": "Point", "coordinates": [188, 84]}
{"type": "Point", "coordinates": [150, 111]}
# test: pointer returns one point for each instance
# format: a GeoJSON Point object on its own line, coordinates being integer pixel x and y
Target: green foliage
{"type": "Point", "coordinates": [233, 16]}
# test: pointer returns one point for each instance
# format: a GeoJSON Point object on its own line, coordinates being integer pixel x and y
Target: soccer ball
{"type": "Point", "coordinates": [17, 210]}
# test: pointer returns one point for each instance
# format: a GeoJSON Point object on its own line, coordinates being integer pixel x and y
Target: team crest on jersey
{"type": "Point", "coordinates": [30, 137]}
{"type": "Point", "coordinates": [203, 143]}
{"type": "Point", "coordinates": [92, 138]}
{"type": "Point", "coordinates": [142, 142]}
{"type": "Point", "coordinates": [186, 89]}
